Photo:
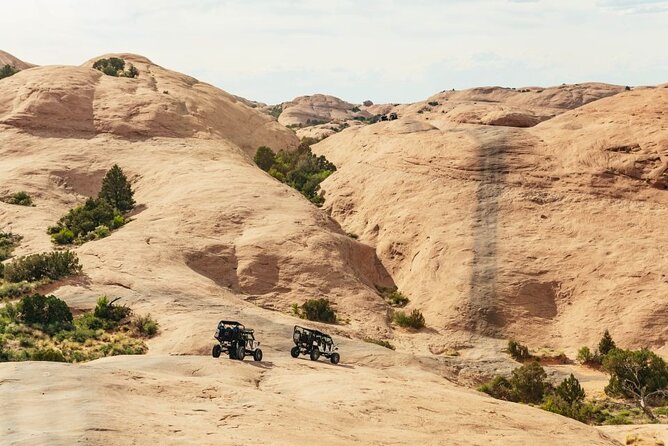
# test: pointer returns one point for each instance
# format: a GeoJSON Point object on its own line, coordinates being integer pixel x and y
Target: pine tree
{"type": "Point", "coordinates": [606, 343]}
{"type": "Point", "coordinates": [116, 190]}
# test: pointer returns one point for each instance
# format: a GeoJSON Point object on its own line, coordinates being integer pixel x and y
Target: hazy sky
{"type": "Point", "coordinates": [383, 50]}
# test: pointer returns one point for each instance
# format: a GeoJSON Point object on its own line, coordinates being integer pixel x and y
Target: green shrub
{"type": "Point", "coordinates": [7, 70]}
{"type": "Point", "coordinates": [433, 103]}
{"type": "Point", "coordinates": [500, 388]}
{"type": "Point", "coordinates": [97, 216]}
{"type": "Point", "coordinates": [583, 412]}
{"type": "Point", "coordinates": [117, 191]}
{"type": "Point", "coordinates": [19, 198]}
{"type": "Point", "coordinates": [414, 320]}
{"type": "Point", "coordinates": [355, 109]}
{"type": "Point", "coordinates": [53, 266]}
{"type": "Point", "coordinates": [570, 390]}
{"type": "Point", "coordinates": [8, 242]}
{"type": "Point", "coordinates": [276, 111]}
{"type": "Point", "coordinates": [529, 382]}
{"type": "Point", "coordinates": [44, 310]}
{"type": "Point", "coordinates": [118, 221]}
{"type": "Point", "coordinates": [518, 351]}
{"type": "Point", "coordinates": [105, 309]}
{"type": "Point", "coordinates": [63, 237]}
{"type": "Point", "coordinates": [318, 310]}
{"type": "Point", "coordinates": [82, 221]}
{"type": "Point", "coordinates": [381, 342]}
{"type": "Point", "coordinates": [115, 66]}
{"type": "Point", "coordinates": [14, 290]}
{"type": "Point", "coordinates": [132, 71]}
{"type": "Point", "coordinates": [661, 411]}
{"type": "Point", "coordinates": [48, 354]}
{"type": "Point", "coordinates": [264, 158]}
{"type": "Point", "coordinates": [10, 313]}
{"type": "Point", "coordinates": [102, 231]}
{"type": "Point", "coordinates": [146, 326]}
{"type": "Point", "coordinates": [301, 169]}
{"type": "Point", "coordinates": [396, 298]}
{"type": "Point", "coordinates": [526, 385]}
{"type": "Point", "coordinates": [640, 376]}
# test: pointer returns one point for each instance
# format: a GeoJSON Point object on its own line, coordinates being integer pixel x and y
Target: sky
{"type": "Point", "coordinates": [381, 50]}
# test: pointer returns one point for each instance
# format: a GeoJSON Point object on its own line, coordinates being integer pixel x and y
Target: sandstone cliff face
{"type": "Point", "coordinates": [550, 234]}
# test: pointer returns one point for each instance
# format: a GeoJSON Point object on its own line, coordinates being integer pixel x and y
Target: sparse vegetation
{"type": "Point", "coordinates": [79, 224]}
{"type": "Point", "coordinates": [640, 376]}
{"type": "Point", "coordinates": [527, 384]}
{"type": "Point", "coordinates": [45, 266]}
{"type": "Point", "coordinates": [300, 169]}
{"type": "Point", "coordinates": [8, 242]}
{"type": "Point", "coordinates": [18, 198]}
{"type": "Point", "coordinates": [413, 320]}
{"type": "Point", "coordinates": [146, 326]}
{"type": "Point", "coordinates": [97, 217]}
{"type": "Point", "coordinates": [595, 358]}
{"type": "Point", "coordinates": [318, 310]}
{"type": "Point", "coordinates": [108, 310]}
{"type": "Point", "coordinates": [115, 66]}
{"type": "Point", "coordinates": [433, 103]}
{"type": "Point", "coordinates": [518, 351]}
{"type": "Point", "coordinates": [276, 111]}
{"type": "Point", "coordinates": [587, 357]}
{"type": "Point", "coordinates": [7, 70]}
{"type": "Point", "coordinates": [394, 297]}
{"type": "Point", "coordinates": [381, 342]}
{"type": "Point", "coordinates": [355, 109]}
{"type": "Point", "coordinates": [368, 120]}
{"type": "Point", "coordinates": [636, 377]}
{"type": "Point", "coordinates": [568, 399]}
{"type": "Point", "coordinates": [15, 290]}
{"type": "Point", "coordinates": [41, 328]}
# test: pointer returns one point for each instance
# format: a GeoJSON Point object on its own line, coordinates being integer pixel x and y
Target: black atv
{"type": "Point", "coordinates": [314, 343]}
{"type": "Point", "coordinates": [235, 340]}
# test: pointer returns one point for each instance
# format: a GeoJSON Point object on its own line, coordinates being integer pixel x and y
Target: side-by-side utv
{"type": "Point", "coordinates": [314, 343]}
{"type": "Point", "coordinates": [235, 340]}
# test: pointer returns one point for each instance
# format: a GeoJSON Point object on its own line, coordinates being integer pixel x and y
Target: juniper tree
{"type": "Point", "coordinates": [638, 375]}
{"type": "Point", "coordinates": [116, 190]}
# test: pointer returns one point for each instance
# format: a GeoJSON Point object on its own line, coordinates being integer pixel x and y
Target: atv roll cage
{"type": "Point", "coordinates": [314, 343]}
{"type": "Point", "coordinates": [236, 340]}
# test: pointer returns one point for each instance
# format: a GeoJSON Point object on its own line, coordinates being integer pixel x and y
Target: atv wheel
{"type": "Point", "coordinates": [215, 352]}
{"type": "Point", "coordinates": [335, 358]}
{"type": "Point", "coordinates": [257, 355]}
{"type": "Point", "coordinates": [315, 354]}
{"type": "Point", "coordinates": [241, 352]}
{"type": "Point", "coordinates": [231, 352]}
{"type": "Point", "coordinates": [294, 352]}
